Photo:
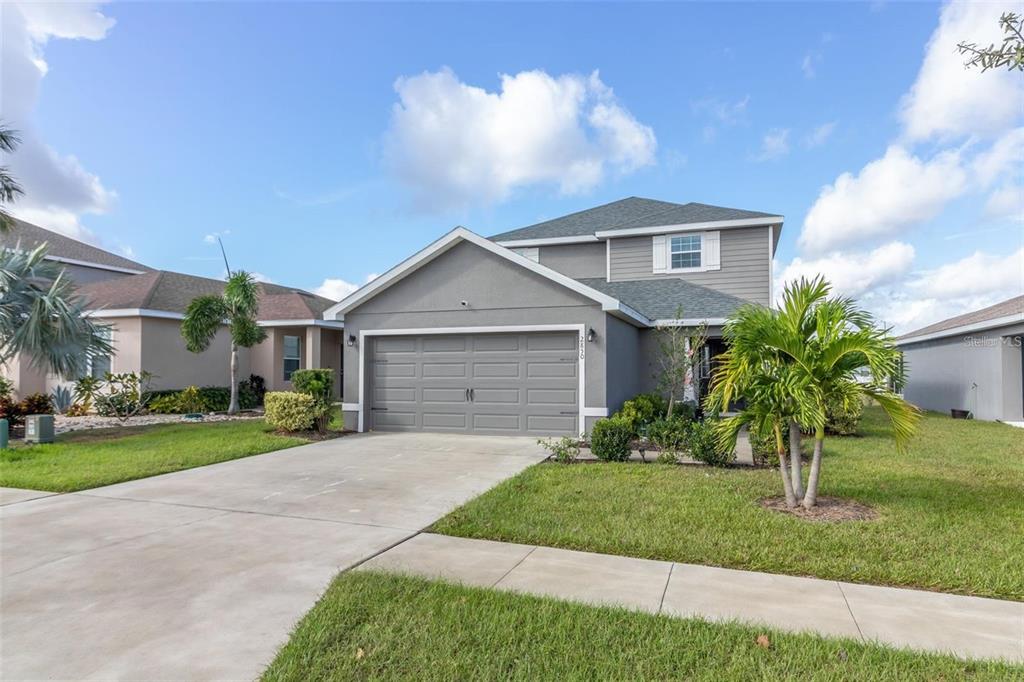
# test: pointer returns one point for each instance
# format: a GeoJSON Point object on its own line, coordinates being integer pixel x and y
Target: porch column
{"type": "Point", "coordinates": [312, 347]}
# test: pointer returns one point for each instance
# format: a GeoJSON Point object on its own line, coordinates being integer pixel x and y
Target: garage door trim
{"type": "Point", "coordinates": [580, 330]}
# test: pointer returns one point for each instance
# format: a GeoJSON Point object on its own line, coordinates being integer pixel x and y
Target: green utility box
{"type": "Point", "coordinates": [5, 432]}
{"type": "Point", "coordinates": [39, 428]}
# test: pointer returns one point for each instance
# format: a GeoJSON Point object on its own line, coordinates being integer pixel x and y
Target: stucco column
{"type": "Point", "coordinates": [313, 347]}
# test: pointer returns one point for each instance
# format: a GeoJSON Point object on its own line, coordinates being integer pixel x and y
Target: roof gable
{"type": "Point", "coordinates": [1010, 308]}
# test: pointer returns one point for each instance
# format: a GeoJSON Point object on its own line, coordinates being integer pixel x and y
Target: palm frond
{"type": "Point", "coordinates": [203, 317]}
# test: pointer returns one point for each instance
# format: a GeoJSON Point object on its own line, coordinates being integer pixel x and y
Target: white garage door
{"type": "Point", "coordinates": [515, 384]}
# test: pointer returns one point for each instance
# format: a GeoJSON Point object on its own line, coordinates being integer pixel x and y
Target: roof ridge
{"type": "Point", "coordinates": [148, 297]}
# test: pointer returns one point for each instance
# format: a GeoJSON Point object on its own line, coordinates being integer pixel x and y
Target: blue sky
{"type": "Point", "coordinates": [275, 125]}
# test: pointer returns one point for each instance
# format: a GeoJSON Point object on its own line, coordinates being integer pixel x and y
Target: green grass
{"type": "Point", "coordinates": [951, 511]}
{"type": "Point", "coordinates": [88, 459]}
{"type": "Point", "coordinates": [411, 628]}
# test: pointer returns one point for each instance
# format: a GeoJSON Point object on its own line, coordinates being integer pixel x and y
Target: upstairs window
{"type": "Point", "coordinates": [292, 356]}
{"type": "Point", "coordinates": [685, 252]}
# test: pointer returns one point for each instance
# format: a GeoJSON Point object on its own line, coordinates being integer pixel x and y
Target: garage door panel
{"type": "Point", "coordinates": [444, 369]}
{"type": "Point", "coordinates": [444, 395]}
{"type": "Point", "coordinates": [445, 420]}
{"type": "Point", "coordinates": [495, 369]}
{"type": "Point", "coordinates": [551, 370]}
{"type": "Point", "coordinates": [551, 396]}
{"type": "Point", "coordinates": [524, 384]}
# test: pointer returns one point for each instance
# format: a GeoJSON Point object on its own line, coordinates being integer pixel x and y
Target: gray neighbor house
{"type": "Point", "coordinates": [972, 362]}
{"type": "Point", "coordinates": [544, 329]}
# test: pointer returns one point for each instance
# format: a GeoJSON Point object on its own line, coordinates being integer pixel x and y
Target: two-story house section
{"type": "Point", "coordinates": [546, 328]}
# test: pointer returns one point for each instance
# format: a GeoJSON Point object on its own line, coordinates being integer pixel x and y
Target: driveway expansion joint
{"type": "Point", "coordinates": [848, 608]}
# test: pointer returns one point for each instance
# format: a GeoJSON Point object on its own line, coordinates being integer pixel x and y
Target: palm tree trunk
{"type": "Point", "coordinates": [787, 485]}
{"type": "Point", "coordinates": [794, 458]}
{"type": "Point", "coordinates": [811, 497]}
{"type": "Point", "coordinates": [233, 407]}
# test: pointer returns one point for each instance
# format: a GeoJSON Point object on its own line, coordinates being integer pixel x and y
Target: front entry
{"type": "Point", "coordinates": [498, 383]}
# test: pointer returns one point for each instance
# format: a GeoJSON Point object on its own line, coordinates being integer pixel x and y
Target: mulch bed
{"type": "Point", "coordinates": [828, 509]}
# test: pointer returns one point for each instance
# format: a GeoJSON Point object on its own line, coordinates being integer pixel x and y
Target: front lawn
{"type": "Point", "coordinates": [88, 459]}
{"type": "Point", "coordinates": [950, 511]}
{"type": "Point", "coordinates": [377, 626]}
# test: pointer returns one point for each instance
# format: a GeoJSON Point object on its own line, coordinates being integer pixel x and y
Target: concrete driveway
{"type": "Point", "coordinates": [201, 574]}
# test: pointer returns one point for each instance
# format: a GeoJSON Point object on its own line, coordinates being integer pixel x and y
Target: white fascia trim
{"type": "Point", "coordinates": [690, 227]}
{"type": "Point", "coordinates": [690, 322]}
{"type": "Point", "coordinates": [771, 266]}
{"type": "Point", "coordinates": [351, 407]}
{"type": "Point", "coordinates": [328, 324]}
{"type": "Point", "coordinates": [595, 411]}
{"type": "Point", "coordinates": [409, 265]}
{"type": "Point", "coordinates": [581, 335]}
{"type": "Point", "coordinates": [547, 241]}
{"type": "Point", "coordinates": [98, 266]}
{"type": "Point", "coordinates": [133, 312]}
{"type": "Point", "coordinates": [963, 329]}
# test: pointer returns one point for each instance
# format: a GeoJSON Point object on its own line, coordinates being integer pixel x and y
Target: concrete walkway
{"type": "Point", "coordinates": [969, 627]}
{"type": "Point", "coordinates": [201, 574]}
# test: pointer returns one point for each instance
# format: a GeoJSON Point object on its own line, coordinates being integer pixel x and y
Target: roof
{"type": "Point", "coordinates": [171, 292]}
{"type": "Point", "coordinates": [62, 247]}
{"type": "Point", "coordinates": [660, 299]}
{"type": "Point", "coordinates": [1006, 310]}
{"type": "Point", "coordinates": [631, 212]}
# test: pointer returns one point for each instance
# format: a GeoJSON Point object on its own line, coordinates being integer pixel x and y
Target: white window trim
{"type": "Point", "coordinates": [668, 254]}
{"type": "Point", "coordinates": [710, 253]}
{"type": "Point", "coordinates": [580, 330]}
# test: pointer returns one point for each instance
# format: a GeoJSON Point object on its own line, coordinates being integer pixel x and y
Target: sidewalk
{"type": "Point", "coordinates": [969, 627]}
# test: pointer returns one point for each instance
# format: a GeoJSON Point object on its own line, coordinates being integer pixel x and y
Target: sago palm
{"type": "Point", "coordinates": [237, 307]}
{"type": "Point", "coordinates": [42, 317]}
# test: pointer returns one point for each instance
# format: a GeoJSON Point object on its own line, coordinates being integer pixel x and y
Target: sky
{"type": "Point", "coordinates": [324, 143]}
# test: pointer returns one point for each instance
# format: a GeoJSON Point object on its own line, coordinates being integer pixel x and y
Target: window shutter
{"type": "Point", "coordinates": [660, 254]}
{"type": "Point", "coordinates": [710, 251]}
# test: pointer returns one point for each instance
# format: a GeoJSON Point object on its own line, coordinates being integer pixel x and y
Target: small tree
{"type": "Point", "coordinates": [237, 307]}
{"type": "Point", "coordinates": [1010, 53]}
{"type": "Point", "coordinates": [681, 352]}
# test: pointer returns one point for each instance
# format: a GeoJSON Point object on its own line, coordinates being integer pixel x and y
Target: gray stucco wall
{"type": "Point", "coordinates": [576, 260]}
{"type": "Point", "coordinates": [980, 372]}
{"type": "Point", "coordinates": [498, 293]}
{"type": "Point", "coordinates": [625, 373]}
{"type": "Point", "coordinates": [745, 262]}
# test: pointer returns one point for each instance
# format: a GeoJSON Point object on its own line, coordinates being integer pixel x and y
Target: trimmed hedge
{"type": "Point", "coordinates": [205, 399]}
{"type": "Point", "coordinates": [610, 439]}
{"type": "Point", "coordinates": [290, 411]}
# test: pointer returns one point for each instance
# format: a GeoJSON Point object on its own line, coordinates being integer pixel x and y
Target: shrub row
{"type": "Point", "coordinates": [207, 398]}
{"type": "Point", "coordinates": [16, 411]}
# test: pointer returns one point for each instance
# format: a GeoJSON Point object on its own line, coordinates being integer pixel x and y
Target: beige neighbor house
{"type": "Point", "coordinates": [144, 308]}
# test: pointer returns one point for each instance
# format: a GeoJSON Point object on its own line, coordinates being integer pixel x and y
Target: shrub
{"type": "Point", "coordinates": [763, 448]}
{"type": "Point", "coordinates": [842, 420]}
{"type": "Point", "coordinates": [257, 387]}
{"type": "Point", "coordinates": [641, 411]}
{"type": "Point", "coordinates": [319, 384]}
{"type": "Point", "coordinates": [565, 449]}
{"type": "Point", "coordinates": [37, 403]}
{"type": "Point", "coordinates": [191, 400]}
{"type": "Point", "coordinates": [6, 387]}
{"type": "Point", "coordinates": [86, 390]}
{"type": "Point", "coordinates": [164, 402]}
{"type": "Point", "coordinates": [126, 396]}
{"type": "Point", "coordinates": [290, 411]}
{"type": "Point", "coordinates": [703, 446]}
{"type": "Point", "coordinates": [610, 439]}
{"type": "Point", "coordinates": [669, 435]}
{"type": "Point", "coordinates": [683, 410]}
{"type": "Point", "coordinates": [11, 411]}
{"type": "Point", "coordinates": [61, 396]}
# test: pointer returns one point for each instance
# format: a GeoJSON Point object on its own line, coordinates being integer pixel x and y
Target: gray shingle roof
{"type": "Point", "coordinates": [173, 291]}
{"type": "Point", "coordinates": [1013, 306]}
{"type": "Point", "coordinates": [61, 246]}
{"type": "Point", "coordinates": [659, 299]}
{"type": "Point", "coordinates": [626, 213]}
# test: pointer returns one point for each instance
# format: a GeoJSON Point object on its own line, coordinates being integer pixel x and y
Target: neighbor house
{"type": "Point", "coordinates": [972, 362]}
{"type": "Point", "coordinates": [547, 328]}
{"type": "Point", "coordinates": [144, 308]}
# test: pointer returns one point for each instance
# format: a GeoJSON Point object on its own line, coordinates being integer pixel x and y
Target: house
{"type": "Point", "coordinates": [144, 308]}
{"type": "Point", "coordinates": [971, 362]}
{"type": "Point", "coordinates": [544, 329]}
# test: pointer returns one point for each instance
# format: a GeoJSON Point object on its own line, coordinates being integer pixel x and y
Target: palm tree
{"type": "Point", "coordinates": [812, 349]}
{"type": "Point", "coordinates": [42, 317]}
{"type": "Point", "coordinates": [237, 306]}
{"type": "Point", "coordinates": [10, 190]}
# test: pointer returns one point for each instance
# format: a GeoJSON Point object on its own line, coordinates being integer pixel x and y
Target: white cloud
{"type": "Point", "coordinates": [1003, 159]}
{"type": "Point", "coordinates": [949, 100]}
{"type": "Point", "coordinates": [977, 274]}
{"type": "Point", "coordinates": [853, 274]}
{"type": "Point", "coordinates": [774, 144]}
{"type": "Point", "coordinates": [808, 65]}
{"type": "Point", "coordinates": [887, 195]}
{"type": "Point", "coordinates": [820, 135]}
{"type": "Point", "coordinates": [456, 144]}
{"type": "Point", "coordinates": [58, 189]}
{"type": "Point", "coordinates": [212, 237]}
{"type": "Point", "coordinates": [1006, 202]}
{"type": "Point", "coordinates": [725, 114]}
{"type": "Point", "coordinates": [337, 289]}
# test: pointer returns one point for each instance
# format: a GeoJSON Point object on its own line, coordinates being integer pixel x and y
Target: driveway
{"type": "Point", "coordinates": [203, 573]}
